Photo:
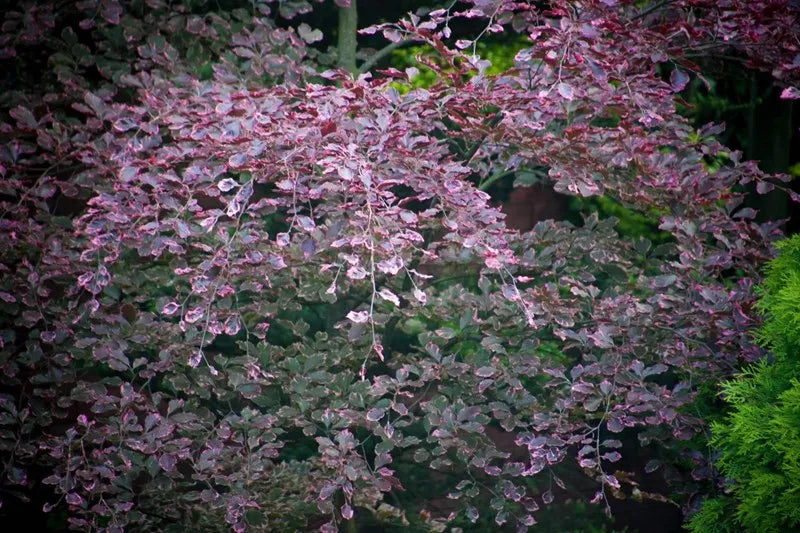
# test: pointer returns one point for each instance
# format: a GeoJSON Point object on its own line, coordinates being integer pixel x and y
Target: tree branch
{"type": "Point", "coordinates": [383, 52]}
{"type": "Point", "coordinates": [655, 7]}
{"type": "Point", "coordinates": [494, 178]}
{"type": "Point", "coordinates": [492, 123]}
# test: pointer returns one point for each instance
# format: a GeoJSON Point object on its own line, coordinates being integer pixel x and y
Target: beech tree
{"type": "Point", "coordinates": [216, 245]}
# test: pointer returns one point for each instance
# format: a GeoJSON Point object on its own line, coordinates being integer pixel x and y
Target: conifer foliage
{"type": "Point", "coordinates": [217, 249]}
{"type": "Point", "coordinates": [759, 441]}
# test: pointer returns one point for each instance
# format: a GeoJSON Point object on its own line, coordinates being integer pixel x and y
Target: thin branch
{"type": "Point", "coordinates": [652, 9]}
{"type": "Point", "coordinates": [495, 120]}
{"type": "Point", "coordinates": [494, 178]}
{"type": "Point", "coordinates": [383, 52]}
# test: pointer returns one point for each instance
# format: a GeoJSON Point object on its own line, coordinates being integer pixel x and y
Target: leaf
{"type": "Point", "coordinates": [388, 295]}
{"type": "Point", "coordinates": [614, 425]}
{"type": "Point", "coordinates": [74, 499]}
{"type": "Point", "coordinates": [356, 272]}
{"type": "Point", "coordinates": [510, 292]}
{"type": "Point", "coordinates": [327, 491]}
{"type": "Point", "coordinates": [227, 184]}
{"type": "Point", "coordinates": [661, 282]}
{"type": "Point", "coordinates": [305, 222]}
{"type": "Point", "coordinates": [167, 461]}
{"type": "Point", "coordinates": [124, 124]}
{"type": "Point", "coordinates": [347, 512]}
{"type": "Point", "coordinates": [612, 457]}
{"type": "Point", "coordinates": [486, 372]}
{"type": "Point", "coordinates": [359, 317]}
{"type": "Point", "coordinates": [420, 296]}
{"type": "Point", "coordinates": [24, 117]}
{"type": "Point", "coordinates": [375, 414]}
{"type": "Point", "coordinates": [391, 266]}
{"type": "Point", "coordinates": [238, 160]}
{"type": "Point", "coordinates": [382, 450]}
{"type": "Point", "coordinates": [232, 325]}
{"type": "Point", "coordinates": [678, 79]}
{"type": "Point", "coordinates": [656, 369]}
{"type": "Point", "coordinates": [652, 465]}
{"type": "Point", "coordinates": [566, 91]}
{"type": "Point", "coordinates": [790, 93]}
{"type": "Point", "coordinates": [393, 35]}
{"type": "Point", "coordinates": [763, 187]}
{"type": "Point", "coordinates": [170, 308]}
{"type": "Point", "coordinates": [95, 103]}
{"type": "Point", "coordinates": [195, 314]}
{"type": "Point", "coordinates": [307, 34]}
{"type": "Point", "coordinates": [127, 174]}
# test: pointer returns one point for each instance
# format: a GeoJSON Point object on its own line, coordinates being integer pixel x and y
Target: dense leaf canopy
{"type": "Point", "coordinates": [216, 247]}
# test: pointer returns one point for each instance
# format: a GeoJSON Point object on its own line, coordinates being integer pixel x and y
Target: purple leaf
{"type": "Point", "coordinates": [678, 79]}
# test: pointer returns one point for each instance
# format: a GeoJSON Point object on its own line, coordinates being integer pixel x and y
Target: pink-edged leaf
{"type": "Point", "coordinates": [790, 93]}
{"type": "Point", "coordinates": [388, 295]}
{"type": "Point", "coordinates": [356, 272]}
{"type": "Point", "coordinates": [359, 317]}
{"type": "Point", "coordinates": [170, 309]}
{"type": "Point", "coordinates": [195, 314]}
{"type": "Point", "coordinates": [486, 371]}
{"type": "Point", "coordinates": [375, 414]}
{"type": "Point", "coordinates": [420, 296]}
{"type": "Point", "coordinates": [391, 266]}
{"type": "Point", "coordinates": [227, 184]}
{"type": "Point", "coordinates": [763, 187]}
{"type": "Point", "coordinates": [678, 79]}
{"type": "Point", "coordinates": [347, 511]}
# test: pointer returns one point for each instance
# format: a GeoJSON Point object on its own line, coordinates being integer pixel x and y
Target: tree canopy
{"type": "Point", "coordinates": [242, 286]}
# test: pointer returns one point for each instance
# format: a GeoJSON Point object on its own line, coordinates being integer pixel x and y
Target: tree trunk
{"type": "Point", "coordinates": [348, 32]}
{"type": "Point", "coordinates": [769, 142]}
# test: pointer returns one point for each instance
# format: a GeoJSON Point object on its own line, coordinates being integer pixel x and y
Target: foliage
{"type": "Point", "coordinates": [206, 272]}
{"type": "Point", "coordinates": [760, 439]}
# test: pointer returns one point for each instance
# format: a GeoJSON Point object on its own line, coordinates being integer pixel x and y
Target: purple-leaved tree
{"type": "Point", "coordinates": [202, 267]}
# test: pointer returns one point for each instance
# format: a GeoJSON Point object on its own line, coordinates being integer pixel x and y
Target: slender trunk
{"type": "Point", "coordinates": [347, 45]}
{"type": "Point", "coordinates": [769, 141]}
{"type": "Point", "coordinates": [348, 28]}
